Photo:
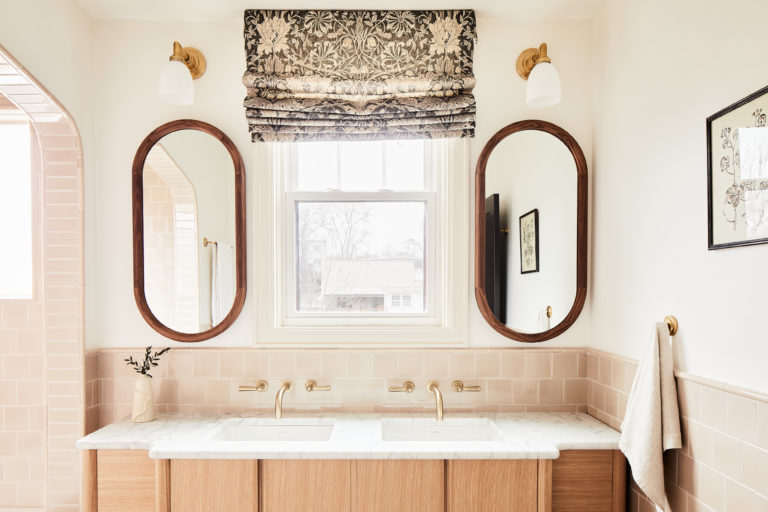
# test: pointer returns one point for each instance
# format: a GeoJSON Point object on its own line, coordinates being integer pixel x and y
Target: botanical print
{"type": "Point", "coordinates": [529, 242]}
{"type": "Point", "coordinates": [324, 75]}
{"type": "Point", "coordinates": [739, 173]}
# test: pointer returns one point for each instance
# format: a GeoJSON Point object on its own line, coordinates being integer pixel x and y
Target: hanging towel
{"type": "Point", "coordinates": [543, 322]}
{"type": "Point", "coordinates": [222, 281]}
{"type": "Point", "coordinates": [652, 421]}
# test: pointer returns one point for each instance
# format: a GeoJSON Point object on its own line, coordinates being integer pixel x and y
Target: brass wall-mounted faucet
{"type": "Point", "coordinates": [285, 386]}
{"type": "Point", "coordinates": [433, 388]}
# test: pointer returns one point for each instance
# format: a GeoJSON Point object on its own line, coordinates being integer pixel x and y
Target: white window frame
{"type": "Point", "coordinates": [444, 323]}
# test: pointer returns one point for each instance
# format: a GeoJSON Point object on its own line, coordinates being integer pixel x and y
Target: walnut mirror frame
{"type": "Point", "coordinates": [581, 231]}
{"type": "Point", "coordinates": [139, 290]}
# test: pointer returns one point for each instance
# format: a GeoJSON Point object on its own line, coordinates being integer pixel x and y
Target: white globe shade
{"type": "Point", "coordinates": [176, 84]}
{"type": "Point", "coordinates": [543, 89]}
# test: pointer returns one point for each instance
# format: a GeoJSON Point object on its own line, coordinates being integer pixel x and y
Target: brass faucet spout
{"type": "Point", "coordinates": [433, 388]}
{"type": "Point", "coordinates": [285, 386]}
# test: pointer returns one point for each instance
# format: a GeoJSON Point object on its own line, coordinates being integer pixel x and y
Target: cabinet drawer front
{"type": "Point", "coordinates": [126, 481]}
{"type": "Point", "coordinates": [492, 485]}
{"type": "Point", "coordinates": [305, 485]}
{"type": "Point", "coordinates": [214, 485]}
{"type": "Point", "coordinates": [398, 485]}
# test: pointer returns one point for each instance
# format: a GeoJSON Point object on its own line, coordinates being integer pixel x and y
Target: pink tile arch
{"type": "Point", "coordinates": [723, 462]}
{"type": "Point", "coordinates": [42, 378]}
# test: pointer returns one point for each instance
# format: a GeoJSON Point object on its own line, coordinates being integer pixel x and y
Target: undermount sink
{"type": "Point", "coordinates": [275, 432]}
{"type": "Point", "coordinates": [460, 430]}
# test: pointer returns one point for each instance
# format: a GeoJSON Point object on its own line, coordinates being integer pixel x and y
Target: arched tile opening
{"type": "Point", "coordinates": [42, 338]}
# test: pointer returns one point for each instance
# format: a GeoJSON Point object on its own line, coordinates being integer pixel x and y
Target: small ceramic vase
{"type": "Point", "coordinates": [143, 400]}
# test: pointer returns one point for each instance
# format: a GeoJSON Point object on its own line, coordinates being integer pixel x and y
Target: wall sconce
{"type": "Point", "coordinates": [184, 66]}
{"type": "Point", "coordinates": [543, 89]}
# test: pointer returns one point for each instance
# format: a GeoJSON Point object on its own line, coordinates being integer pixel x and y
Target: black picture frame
{"type": "Point", "coordinates": [738, 188]}
{"type": "Point", "coordinates": [529, 244]}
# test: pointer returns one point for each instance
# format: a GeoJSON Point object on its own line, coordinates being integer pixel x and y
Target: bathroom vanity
{"type": "Point", "coordinates": [518, 462]}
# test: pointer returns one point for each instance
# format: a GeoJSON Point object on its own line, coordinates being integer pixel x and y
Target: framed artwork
{"type": "Point", "coordinates": [529, 242]}
{"type": "Point", "coordinates": [737, 173]}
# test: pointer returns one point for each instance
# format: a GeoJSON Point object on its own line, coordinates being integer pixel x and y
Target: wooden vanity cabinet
{"type": "Point", "coordinates": [578, 481]}
{"type": "Point", "coordinates": [125, 481]}
{"type": "Point", "coordinates": [492, 485]}
{"type": "Point", "coordinates": [397, 485]}
{"type": "Point", "coordinates": [305, 485]}
{"type": "Point", "coordinates": [208, 485]}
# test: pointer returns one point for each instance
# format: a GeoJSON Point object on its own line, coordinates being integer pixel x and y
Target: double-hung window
{"type": "Point", "coordinates": [369, 243]}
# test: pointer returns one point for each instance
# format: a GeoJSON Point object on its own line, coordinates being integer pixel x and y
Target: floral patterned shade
{"type": "Point", "coordinates": [359, 75]}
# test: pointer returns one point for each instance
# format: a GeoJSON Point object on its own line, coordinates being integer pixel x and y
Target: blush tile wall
{"type": "Point", "coordinates": [41, 379]}
{"type": "Point", "coordinates": [723, 465]}
{"type": "Point", "coordinates": [206, 380]}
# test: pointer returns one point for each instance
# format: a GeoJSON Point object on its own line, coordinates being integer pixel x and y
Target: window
{"type": "Point", "coordinates": [369, 242]}
{"type": "Point", "coordinates": [364, 223]}
{"type": "Point", "coordinates": [16, 267]}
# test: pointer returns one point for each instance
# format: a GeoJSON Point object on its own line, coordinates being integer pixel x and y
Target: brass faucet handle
{"type": "Point", "coordinates": [458, 386]}
{"type": "Point", "coordinates": [260, 386]}
{"type": "Point", "coordinates": [407, 387]}
{"type": "Point", "coordinates": [311, 385]}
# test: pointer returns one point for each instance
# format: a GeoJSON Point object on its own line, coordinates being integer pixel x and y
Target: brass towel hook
{"type": "Point", "coordinates": [671, 322]}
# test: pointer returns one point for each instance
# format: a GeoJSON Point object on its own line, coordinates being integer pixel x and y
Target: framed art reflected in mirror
{"type": "Point", "coordinates": [737, 173]}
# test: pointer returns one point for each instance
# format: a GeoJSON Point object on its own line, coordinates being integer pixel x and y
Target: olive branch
{"type": "Point", "coordinates": [150, 361]}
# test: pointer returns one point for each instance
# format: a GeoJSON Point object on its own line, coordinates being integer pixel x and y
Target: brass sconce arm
{"type": "Point", "coordinates": [191, 57]}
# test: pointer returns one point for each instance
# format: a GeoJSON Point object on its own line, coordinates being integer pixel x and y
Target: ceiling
{"type": "Point", "coordinates": [205, 10]}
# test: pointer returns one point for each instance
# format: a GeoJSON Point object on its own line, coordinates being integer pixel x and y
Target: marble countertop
{"type": "Point", "coordinates": [358, 436]}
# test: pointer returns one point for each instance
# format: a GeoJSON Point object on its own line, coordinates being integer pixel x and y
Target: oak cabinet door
{"type": "Point", "coordinates": [214, 485]}
{"type": "Point", "coordinates": [398, 485]}
{"type": "Point", "coordinates": [492, 485]}
{"type": "Point", "coordinates": [305, 485]}
{"type": "Point", "coordinates": [125, 481]}
{"type": "Point", "coordinates": [583, 481]}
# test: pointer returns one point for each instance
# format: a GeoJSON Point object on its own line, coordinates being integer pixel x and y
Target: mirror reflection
{"type": "Point", "coordinates": [531, 231]}
{"type": "Point", "coordinates": [189, 231]}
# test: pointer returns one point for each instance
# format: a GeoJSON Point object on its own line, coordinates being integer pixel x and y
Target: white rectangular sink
{"type": "Point", "coordinates": [459, 430]}
{"type": "Point", "coordinates": [275, 432]}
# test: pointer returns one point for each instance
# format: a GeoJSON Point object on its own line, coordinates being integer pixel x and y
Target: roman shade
{"type": "Point", "coordinates": [359, 75]}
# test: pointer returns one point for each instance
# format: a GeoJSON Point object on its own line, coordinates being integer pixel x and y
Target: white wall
{"type": "Point", "coordinates": [500, 94]}
{"type": "Point", "coordinates": [661, 68]}
{"type": "Point", "coordinates": [126, 110]}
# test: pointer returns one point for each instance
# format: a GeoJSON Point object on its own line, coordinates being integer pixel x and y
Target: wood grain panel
{"type": "Point", "coordinates": [126, 481]}
{"type": "Point", "coordinates": [398, 485]}
{"type": "Point", "coordinates": [214, 485]}
{"type": "Point", "coordinates": [582, 481]}
{"type": "Point", "coordinates": [163, 485]}
{"type": "Point", "coordinates": [545, 486]}
{"type": "Point", "coordinates": [492, 485]}
{"type": "Point", "coordinates": [90, 482]}
{"type": "Point", "coordinates": [619, 482]}
{"type": "Point", "coordinates": [305, 485]}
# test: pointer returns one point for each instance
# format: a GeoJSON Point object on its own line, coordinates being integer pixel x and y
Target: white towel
{"type": "Point", "coordinates": [543, 322]}
{"type": "Point", "coordinates": [652, 421]}
{"type": "Point", "coordinates": [222, 281]}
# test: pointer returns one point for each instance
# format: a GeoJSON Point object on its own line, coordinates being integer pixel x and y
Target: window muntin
{"type": "Point", "coordinates": [16, 261]}
{"type": "Point", "coordinates": [364, 230]}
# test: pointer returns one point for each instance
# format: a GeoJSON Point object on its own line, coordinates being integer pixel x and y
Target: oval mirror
{"type": "Point", "coordinates": [188, 230]}
{"type": "Point", "coordinates": [531, 231]}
